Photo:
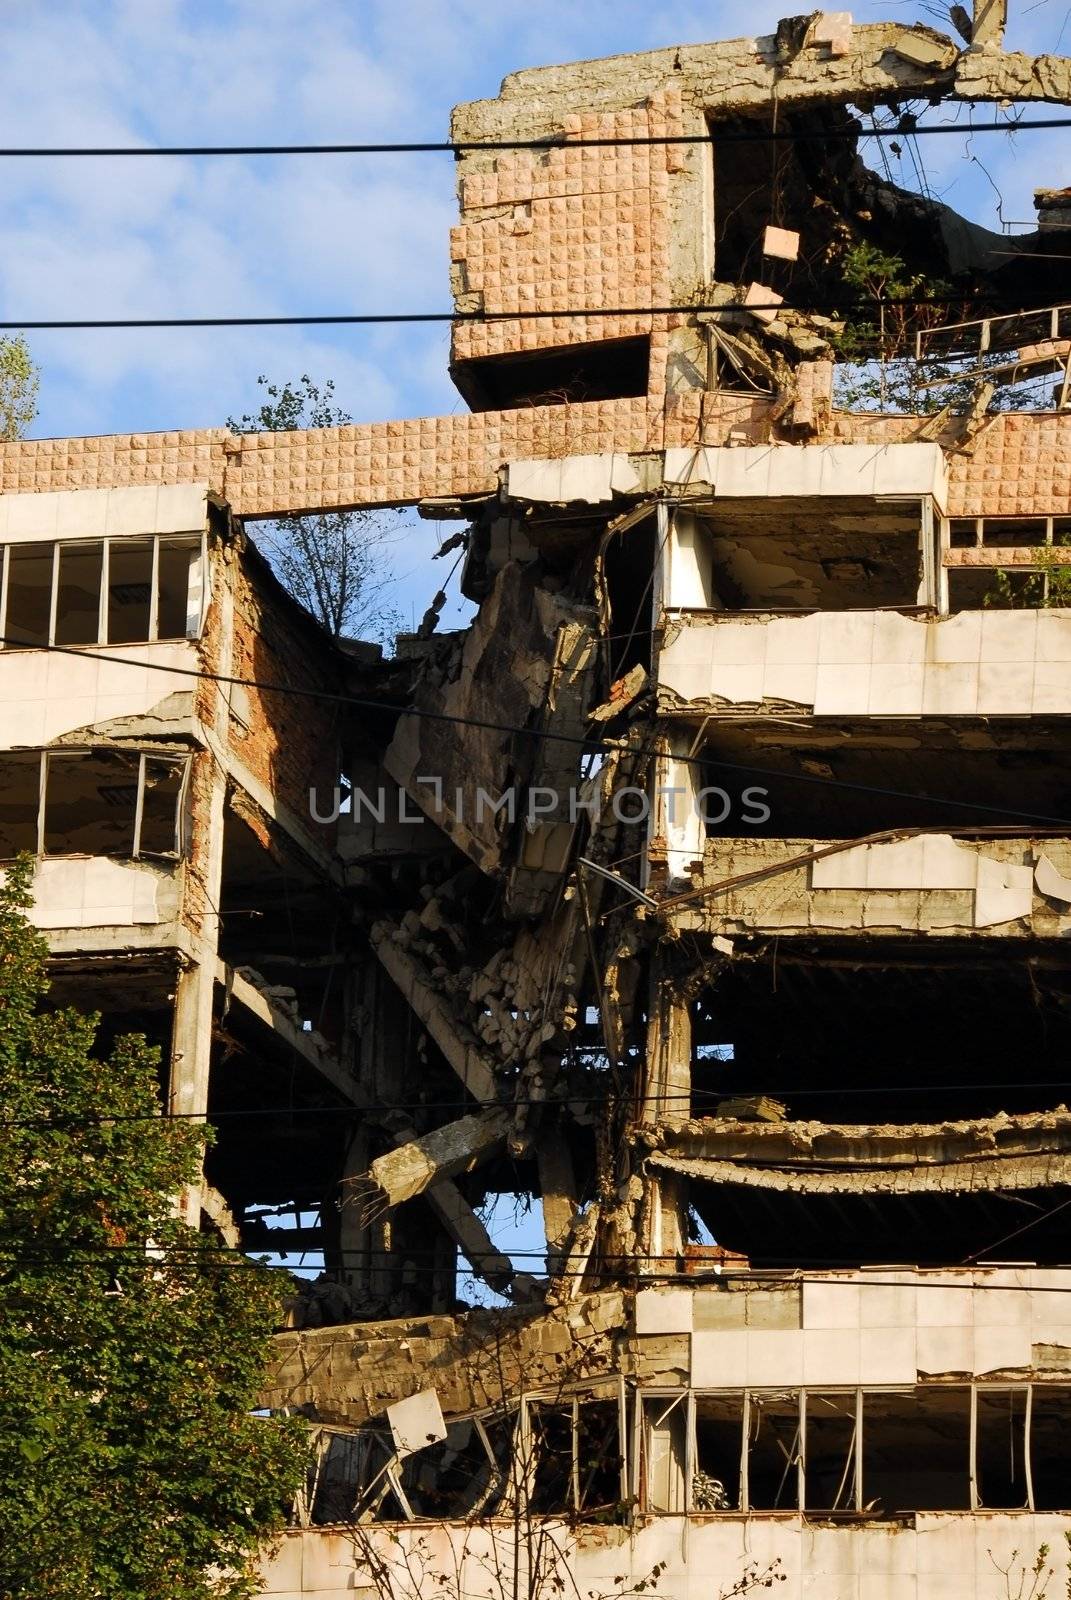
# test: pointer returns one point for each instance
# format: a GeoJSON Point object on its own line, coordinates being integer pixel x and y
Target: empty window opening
{"type": "Point", "coordinates": [716, 1452]}
{"type": "Point", "coordinates": [151, 588]}
{"type": "Point", "coordinates": [917, 1451]}
{"type": "Point", "coordinates": [1050, 1429]}
{"type": "Point", "coordinates": [773, 1451]}
{"type": "Point", "coordinates": [96, 802]}
{"type": "Point", "coordinates": [611, 369]}
{"type": "Point", "coordinates": [1000, 1447]}
{"type": "Point", "coordinates": [576, 1460]}
{"type": "Point", "coordinates": [91, 802]}
{"type": "Point", "coordinates": [782, 555]}
{"type": "Point", "coordinates": [829, 1461]}
{"type": "Point", "coordinates": [78, 593]}
{"type": "Point", "coordinates": [160, 797]}
{"type": "Point", "coordinates": [130, 580]}
{"type": "Point", "coordinates": [29, 594]}
{"type": "Point", "coordinates": [20, 800]}
{"type": "Point", "coordinates": [996, 589]}
{"type": "Point", "coordinates": [629, 577]}
{"type": "Point", "coordinates": [178, 589]}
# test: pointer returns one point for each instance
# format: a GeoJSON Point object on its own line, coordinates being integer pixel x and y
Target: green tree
{"type": "Point", "coordinates": [131, 1348]}
{"type": "Point", "coordinates": [333, 562]}
{"type": "Point", "coordinates": [19, 380]}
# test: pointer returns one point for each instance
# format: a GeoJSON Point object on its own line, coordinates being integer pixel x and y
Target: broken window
{"type": "Point", "coordinates": [575, 1461]}
{"type": "Point", "coordinates": [20, 801]}
{"type": "Point", "coordinates": [91, 802]}
{"type": "Point", "coordinates": [663, 1443]}
{"type": "Point", "coordinates": [1050, 1429]}
{"type": "Point", "coordinates": [78, 593]}
{"type": "Point", "coordinates": [1000, 1447]}
{"type": "Point", "coordinates": [178, 589]}
{"type": "Point", "coordinates": [28, 608]}
{"type": "Point", "coordinates": [830, 1451]}
{"type": "Point", "coordinates": [160, 795]}
{"type": "Point", "coordinates": [96, 802]}
{"type": "Point", "coordinates": [459, 1476]}
{"type": "Point", "coordinates": [773, 1450]}
{"type": "Point", "coordinates": [716, 1450]}
{"type": "Point", "coordinates": [917, 1450]}
{"type": "Point", "coordinates": [151, 589]}
{"type": "Point", "coordinates": [130, 579]}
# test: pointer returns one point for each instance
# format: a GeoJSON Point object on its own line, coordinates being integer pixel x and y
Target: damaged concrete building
{"type": "Point", "coordinates": [713, 884]}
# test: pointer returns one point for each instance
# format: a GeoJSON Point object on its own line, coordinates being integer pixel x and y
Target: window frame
{"type": "Point", "coordinates": [102, 641]}
{"type": "Point", "coordinates": [182, 760]}
{"type": "Point", "coordinates": [670, 1397]}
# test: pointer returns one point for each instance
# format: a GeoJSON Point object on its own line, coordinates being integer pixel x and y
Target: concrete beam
{"type": "Point", "coordinates": [457, 1045]}
{"type": "Point", "coordinates": [273, 1016]}
{"type": "Point", "coordinates": [422, 1162]}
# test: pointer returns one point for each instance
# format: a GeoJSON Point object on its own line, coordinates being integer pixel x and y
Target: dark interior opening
{"type": "Point", "coordinates": [1000, 1450]}
{"type": "Point", "coordinates": [719, 1421]}
{"type": "Point", "coordinates": [20, 801]}
{"type": "Point", "coordinates": [1050, 1429]}
{"type": "Point", "coordinates": [612, 369]}
{"type": "Point", "coordinates": [917, 1451]}
{"type": "Point", "coordinates": [629, 568]}
{"type": "Point", "coordinates": [774, 1451]}
{"type": "Point", "coordinates": [29, 593]}
{"type": "Point", "coordinates": [829, 1475]}
{"type": "Point", "coordinates": [837, 779]}
{"type": "Point", "coordinates": [895, 1032]}
{"type": "Point", "coordinates": [91, 799]}
{"type": "Point", "coordinates": [78, 594]}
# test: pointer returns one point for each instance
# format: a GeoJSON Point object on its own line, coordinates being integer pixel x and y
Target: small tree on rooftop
{"type": "Point", "coordinates": [131, 1348]}
{"type": "Point", "coordinates": [334, 562]}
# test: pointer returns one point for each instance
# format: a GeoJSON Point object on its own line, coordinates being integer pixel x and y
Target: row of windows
{"type": "Point", "coordinates": [102, 591]}
{"type": "Point", "coordinates": [878, 1453]}
{"type": "Point", "coordinates": [90, 802]}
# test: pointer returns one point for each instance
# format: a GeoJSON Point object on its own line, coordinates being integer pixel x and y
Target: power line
{"type": "Point", "coordinates": [460, 147]}
{"type": "Point", "coordinates": [590, 744]}
{"type": "Point", "coordinates": [232, 1258]}
{"type": "Point", "coordinates": [349, 1112]}
{"type": "Point", "coordinates": [377, 318]}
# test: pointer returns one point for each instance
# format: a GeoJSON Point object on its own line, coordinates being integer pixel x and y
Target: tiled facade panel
{"type": "Point", "coordinates": [582, 227]}
{"type": "Point", "coordinates": [1020, 465]}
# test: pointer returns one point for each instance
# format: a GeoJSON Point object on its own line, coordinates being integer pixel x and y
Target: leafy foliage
{"type": "Point", "coordinates": [876, 366]}
{"type": "Point", "coordinates": [1048, 586]}
{"type": "Point", "coordinates": [19, 381]}
{"type": "Point", "coordinates": [131, 1348]}
{"type": "Point", "coordinates": [332, 562]}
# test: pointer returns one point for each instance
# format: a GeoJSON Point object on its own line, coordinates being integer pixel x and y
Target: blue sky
{"type": "Point", "coordinates": [295, 235]}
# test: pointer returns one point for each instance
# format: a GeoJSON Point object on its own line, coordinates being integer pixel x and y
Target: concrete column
{"type": "Point", "coordinates": [666, 1103]}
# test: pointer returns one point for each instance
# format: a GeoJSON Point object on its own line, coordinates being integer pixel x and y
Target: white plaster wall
{"type": "Point", "coordinates": [97, 892]}
{"type": "Point", "coordinates": [877, 663]}
{"type": "Point", "coordinates": [93, 513]}
{"type": "Point", "coordinates": [44, 694]}
{"type": "Point", "coordinates": [947, 1556]}
{"type": "Point", "coordinates": [903, 471]}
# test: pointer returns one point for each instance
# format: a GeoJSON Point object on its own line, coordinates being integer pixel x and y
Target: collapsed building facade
{"type": "Point", "coordinates": [713, 883]}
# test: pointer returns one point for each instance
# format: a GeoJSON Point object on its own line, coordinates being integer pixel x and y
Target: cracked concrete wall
{"type": "Point", "coordinates": [870, 663]}
{"type": "Point", "coordinates": [1003, 888]}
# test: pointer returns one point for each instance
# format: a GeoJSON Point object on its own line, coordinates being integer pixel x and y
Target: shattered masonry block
{"type": "Point", "coordinates": [783, 243]}
{"type": "Point", "coordinates": [762, 302]}
{"type": "Point", "coordinates": [834, 29]}
{"type": "Point", "coordinates": [923, 52]}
